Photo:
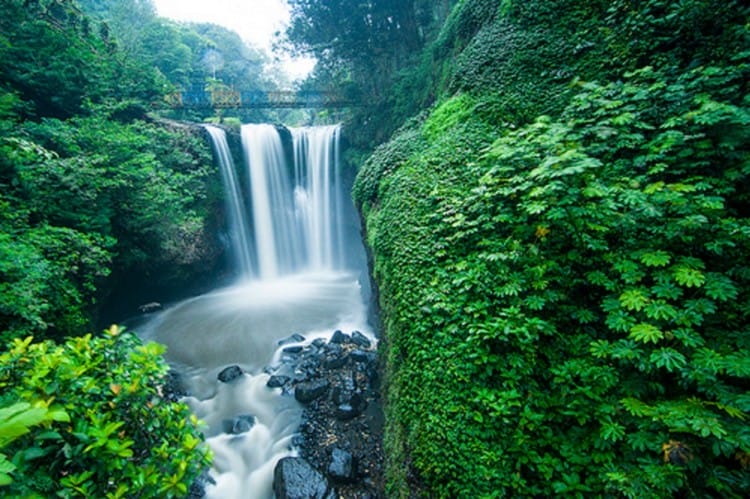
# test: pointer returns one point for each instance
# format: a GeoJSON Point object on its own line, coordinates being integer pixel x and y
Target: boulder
{"type": "Point", "coordinates": [230, 374]}
{"type": "Point", "coordinates": [335, 361]}
{"type": "Point", "coordinates": [243, 423]}
{"type": "Point", "coordinates": [339, 337]}
{"type": "Point", "coordinates": [295, 338]}
{"type": "Point", "coordinates": [342, 467]}
{"type": "Point", "coordinates": [360, 339]}
{"type": "Point", "coordinates": [352, 408]}
{"type": "Point", "coordinates": [277, 381]}
{"type": "Point", "coordinates": [362, 356]}
{"type": "Point", "coordinates": [294, 478]}
{"type": "Point", "coordinates": [307, 391]}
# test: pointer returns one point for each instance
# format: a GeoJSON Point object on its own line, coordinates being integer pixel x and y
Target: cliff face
{"type": "Point", "coordinates": [542, 237]}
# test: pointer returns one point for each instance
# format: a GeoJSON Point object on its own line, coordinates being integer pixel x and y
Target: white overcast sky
{"type": "Point", "coordinates": [256, 21]}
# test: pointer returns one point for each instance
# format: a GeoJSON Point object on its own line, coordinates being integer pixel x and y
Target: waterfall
{"type": "Point", "coordinates": [296, 280]}
{"type": "Point", "coordinates": [238, 228]}
{"type": "Point", "coordinates": [317, 189]}
{"type": "Point", "coordinates": [296, 210]}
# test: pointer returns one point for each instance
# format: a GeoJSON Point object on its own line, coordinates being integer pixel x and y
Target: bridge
{"type": "Point", "coordinates": [256, 99]}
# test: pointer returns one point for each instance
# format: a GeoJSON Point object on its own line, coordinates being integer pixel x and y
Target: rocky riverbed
{"type": "Point", "coordinates": [339, 442]}
{"type": "Point", "coordinates": [340, 438]}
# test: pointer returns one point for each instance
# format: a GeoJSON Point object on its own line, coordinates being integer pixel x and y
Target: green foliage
{"type": "Point", "coordinates": [88, 196]}
{"type": "Point", "coordinates": [86, 419]}
{"type": "Point", "coordinates": [566, 303]}
{"type": "Point", "coordinates": [16, 421]}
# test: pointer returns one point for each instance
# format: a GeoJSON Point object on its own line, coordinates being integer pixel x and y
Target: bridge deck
{"type": "Point", "coordinates": [256, 99]}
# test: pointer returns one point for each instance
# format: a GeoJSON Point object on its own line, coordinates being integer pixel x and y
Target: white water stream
{"type": "Point", "coordinates": [291, 279]}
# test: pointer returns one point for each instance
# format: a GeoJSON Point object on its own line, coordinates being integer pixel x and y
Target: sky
{"type": "Point", "coordinates": [256, 21]}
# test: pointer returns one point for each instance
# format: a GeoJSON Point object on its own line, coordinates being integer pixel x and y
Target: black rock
{"type": "Point", "coordinates": [343, 467]}
{"type": "Point", "coordinates": [352, 408]}
{"type": "Point", "coordinates": [318, 342]}
{"type": "Point", "coordinates": [339, 337]}
{"type": "Point", "coordinates": [345, 412]}
{"type": "Point", "coordinates": [294, 478]}
{"type": "Point", "coordinates": [243, 423]}
{"type": "Point", "coordinates": [277, 381]}
{"type": "Point", "coordinates": [362, 356]}
{"type": "Point", "coordinates": [197, 489]}
{"type": "Point", "coordinates": [335, 361]}
{"type": "Point", "coordinates": [293, 350]}
{"type": "Point", "coordinates": [360, 339]}
{"type": "Point", "coordinates": [230, 373]}
{"type": "Point", "coordinates": [295, 338]}
{"type": "Point", "coordinates": [307, 391]}
{"type": "Point", "coordinates": [334, 349]}
{"type": "Point", "coordinates": [343, 390]}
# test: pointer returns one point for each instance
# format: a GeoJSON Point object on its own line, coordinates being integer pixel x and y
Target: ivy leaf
{"type": "Point", "coordinates": [720, 287]}
{"type": "Point", "coordinates": [635, 407]}
{"type": "Point", "coordinates": [634, 299]}
{"type": "Point", "coordinates": [668, 358]}
{"type": "Point", "coordinates": [657, 258]}
{"type": "Point", "coordinates": [660, 309]}
{"type": "Point", "coordinates": [689, 277]}
{"type": "Point", "coordinates": [612, 431]}
{"type": "Point", "coordinates": [646, 333]}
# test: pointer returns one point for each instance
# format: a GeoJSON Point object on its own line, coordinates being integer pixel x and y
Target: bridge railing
{"type": "Point", "coordinates": [229, 98]}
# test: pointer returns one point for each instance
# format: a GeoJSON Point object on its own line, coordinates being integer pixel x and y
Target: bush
{"type": "Point", "coordinates": [87, 419]}
{"type": "Point", "coordinates": [566, 309]}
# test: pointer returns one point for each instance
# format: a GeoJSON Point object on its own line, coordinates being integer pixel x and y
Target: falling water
{"type": "Point", "coordinates": [317, 188]}
{"type": "Point", "coordinates": [238, 230]}
{"type": "Point", "coordinates": [299, 283]}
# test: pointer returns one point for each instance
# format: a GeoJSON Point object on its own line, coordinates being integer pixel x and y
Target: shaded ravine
{"type": "Point", "coordinates": [294, 279]}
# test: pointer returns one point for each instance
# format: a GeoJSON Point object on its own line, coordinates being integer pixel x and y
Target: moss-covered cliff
{"type": "Point", "coordinates": [561, 247]}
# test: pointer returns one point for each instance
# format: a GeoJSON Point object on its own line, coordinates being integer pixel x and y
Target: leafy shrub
{"type": "Point", "coordinates": [566, 310]}
{"type": "Point", "coordinates": [108, 432]}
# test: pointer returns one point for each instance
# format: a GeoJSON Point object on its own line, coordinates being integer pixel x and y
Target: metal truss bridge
{"type": "Point", "coordinates": [256, 99]}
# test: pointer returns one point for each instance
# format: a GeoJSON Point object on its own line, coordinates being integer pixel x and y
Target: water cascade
{"type": "Point", "coordinates": [238, 227]}
{"type": "Point", "coordinates": [293, 278]}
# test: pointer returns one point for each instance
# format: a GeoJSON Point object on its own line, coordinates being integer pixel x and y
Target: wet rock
{"type": "Point", "coordinates": [278, 381]}
{"type": "Point", "coordinates": [294, 478]}
{"type": "Point", "coordinates": [197, 489]}
{"type": "Point", "coordinates": [307, 391]}
{"type": "Point", "coordinates": [295, 338]}
{"type": "Point", "coordinates": [339, 337]}
{"type": "Point", "coordinates": [363, 357]}
{"type": "Point", "coordinates": [360, 339]}
{"type": "Point", "coordinates": [230, 374]}
{"type": "Point", "coordinates": [150, 308]}
{"type": "Point", "coordinates": [350, 410]}
{"type": "Point", "coordinates": [319, 342]}
{"type": "Point", "coordinates": [240, 424]}
{"type": "Point", "coordinates": [294, 350]}
{"type": "Point", "coordinates": [346, 411]}
{"type": "Point", "coordinates": [335, 361]}
{"type": "Point", "coordinates": [342, 467]}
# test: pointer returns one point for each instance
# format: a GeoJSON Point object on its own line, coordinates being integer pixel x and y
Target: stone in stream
{"type": "Point", "coordinates": [351, 408]}
{"type": "Point", "coordinates": [339, 337]}
{"type": "Point", "coordinates": [335, 361]}
{"type": "Point", "coordinates": [360, 339]}
{"type": "Point", "coordinates": [240, 424]}
{"type": "Point", "coordinates": [230, 374]}
{"type": "Point", "coordinates": [294, 478]}
{"type": "Point", "coordinates": [343, 467]}
{"type": "Point", "coordinates": [307, 391]}
{"type": "Point", "coordinates": [295, 338]}
{"type": "Point", "coordinates": [277, 381]}
{"type": "Point", "coordinates": [362, 356]}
